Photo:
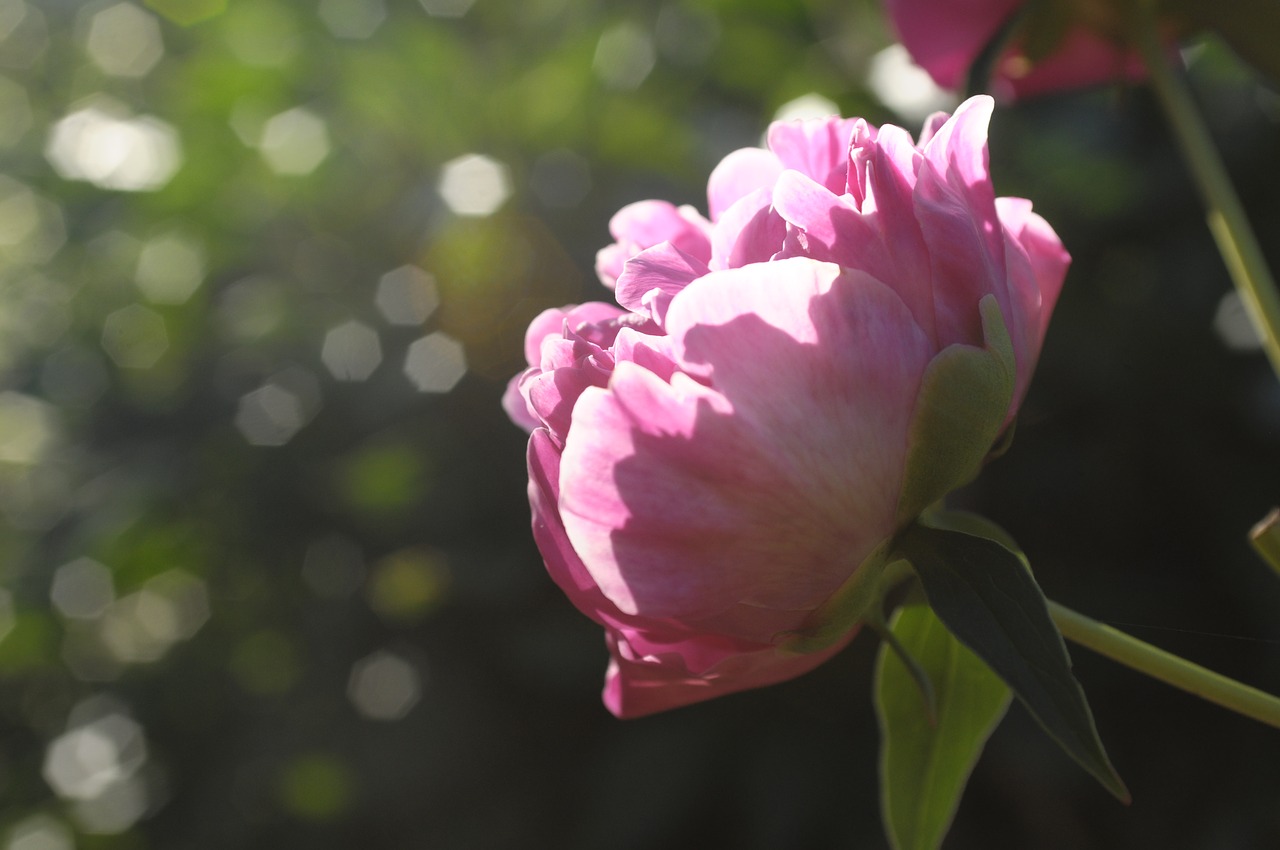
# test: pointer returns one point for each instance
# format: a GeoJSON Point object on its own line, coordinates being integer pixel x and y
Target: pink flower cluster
{"type": "Point", "coordinates": [711, 462]}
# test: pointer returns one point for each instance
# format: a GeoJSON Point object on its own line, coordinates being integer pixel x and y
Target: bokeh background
{"type": "Point", "coordinates": [266, 573]}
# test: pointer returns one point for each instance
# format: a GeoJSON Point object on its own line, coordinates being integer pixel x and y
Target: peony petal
{"type": "Point", "coordinates": [817, 148]}
{"type": "Point", "coordinates": [645, 676]}
{"type": "Point", "coordinates": [944, 38]}
{"type": "Point", "coordinates": [748, 232]}
{"type": "Point", "coordinates": [1049, 259]}
{"type": "Point", "coordinates": [738, 175]}
{"type": "Point", "coordinates": [663, 267]}
{"type": "Point", "coordinates": [685, 501]}
{"type": "Point", "coordinates": [515, 405]}
{"type": "Point", "coordinates": [955, 207]}
{"type": "Point", "coordinates": [647, 223]}
{"type": "Point", "coordinates": [886, 245]}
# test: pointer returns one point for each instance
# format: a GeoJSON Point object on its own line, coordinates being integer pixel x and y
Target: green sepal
{"type": "Point", "coordinates": [924, 766]}
{"type": "Point", "coordinates": [963, 401]}
{"type": "Point", "coordinates": [862, 595]}
{"type": "Point", "coordinates": [989, 601]}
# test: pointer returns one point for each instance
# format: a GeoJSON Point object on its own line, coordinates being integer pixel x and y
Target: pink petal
{"type": "Point", "coordinates": [664, 268]}
{"type": "Point", "coordinates": [817, 148]}
{"type": "Point", "coordinates": [513, 402]}
{"type": "Point", "coordinates": [645, 676]}
{"type": "Point", "coordinates": [747, 232]}
{"type": "Point", "coordinates": [1049, 259]}
{"type": "Point", "coordinates": [686, 501]}
{"type": "Point", "coordinates": [945, 36]}
{"type": "Point", "coordinates": [647, 223]}
{"type": "Point", "coordinates": [886, 244]}
{"type": "Point", "coordinates": [1037, 265]}
{"type": "Point", "coordinates": [738, 175]}
{"type": "Point", "coordinates": [955, 207]}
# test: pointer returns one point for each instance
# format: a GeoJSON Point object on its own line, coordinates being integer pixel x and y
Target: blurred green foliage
{"type": "Point", "coordinates": [212, 394]}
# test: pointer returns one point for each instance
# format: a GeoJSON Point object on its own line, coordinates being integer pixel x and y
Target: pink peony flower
{"type": "Point", "coordinates": [710, 466]}
{"type": "Point", "coordinates": [946, 36]}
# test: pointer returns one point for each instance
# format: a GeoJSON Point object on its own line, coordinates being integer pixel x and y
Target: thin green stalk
{"type": "Point", "coordinates": [1166, 667]}
{"type": "Point", "coordinates": [1227, 221]}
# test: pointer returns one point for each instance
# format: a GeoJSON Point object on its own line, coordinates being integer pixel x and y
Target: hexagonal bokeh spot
{"type": "Point", "coordinates": [31, 226]}
{"type": "Point", "coordinates": [40, 832]}
{"type": "Point", "coordinates": [407, 296]}
{"type": "Point", "coordinates": [351, 351]}
{"type": "Point", "coordinates": [270, 415]}
{"type": "Point", "coordinates": [7, 617]}
{"type": "Point", "coordinates": [101, 145]}
{"type": "Point", "coordinates": [474, 184]}
{"type": "Point", "coordinates": [904, 86]}
{"type": "Point", "coordinates": [624, 56]}
{"type": "Point", "coordinates": [353, 19]}
{"type": "Point", "coordinates": [188, 12]}
{"type": "Point", "coordinates": [29, 428]}
{"type": "Point", "coordinates": [435, 363]}
{"type": "Point", "coordinates": [82, 589]}
{"type": "Point", "coordinates": [171, 268]}
{"type": "Point", "coordinates": [124, 40]}
{"type": "Point", "coordinates": [15, 112]}
{"type": "Point", "coordinates": [447, 8]}
{"type": "Point", "coordinates": [135, 337]}
{"type": "Point", "coordinates": [294, 142]}
{"type": "Point", "coordinates": [384, 686]}
{"type": "Point", "coordinates": [85, 761]}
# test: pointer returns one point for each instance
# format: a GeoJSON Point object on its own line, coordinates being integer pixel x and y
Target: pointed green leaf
{"type": "Point", "coordinates": [1251, 27]}
{"type": "Point", "coordinates": [1265, 537]}
{"type": "Point", "coordinates": [982, 592]}
{"type": "Point", "coordinates": [924, 767]}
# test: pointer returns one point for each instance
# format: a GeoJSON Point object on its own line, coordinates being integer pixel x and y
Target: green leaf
{"type": "Point", "coordinates": [963, 400]}
{"type": "Point", "coordinates": [1251, 27]}
{"type": "Point", "coordinates": [990, 602]}
{"type": "Point", "coordinates": [924, 767]}
{"type": "Point", "coordinates": [1265, 537]}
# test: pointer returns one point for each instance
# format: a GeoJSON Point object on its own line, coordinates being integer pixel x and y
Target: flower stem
{"type": "Point", "coordinates": [1166, 667]}
{"type": "Point", "coordinates": [1227, 221]}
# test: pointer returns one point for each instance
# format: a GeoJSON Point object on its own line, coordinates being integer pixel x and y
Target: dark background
{"type": "Point", "coordinates": [388, 529]}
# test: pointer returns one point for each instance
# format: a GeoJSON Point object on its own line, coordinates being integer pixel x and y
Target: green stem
{"type": "Point", "coordinates": [1227, 221]}
{"type": "Point", "coordinates": [1166, 667]}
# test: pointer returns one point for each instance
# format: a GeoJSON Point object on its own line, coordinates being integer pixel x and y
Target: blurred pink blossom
{"type": "Point", "coordinates": [711, 463]}
{"type": "Point", "coordinates": [945, 37]}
